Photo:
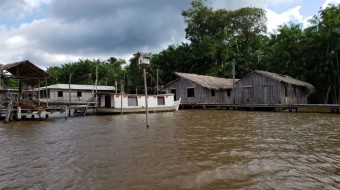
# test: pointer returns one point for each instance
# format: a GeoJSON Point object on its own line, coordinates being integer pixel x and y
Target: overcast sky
{"type": "Point", "coordinates": [54, 32]}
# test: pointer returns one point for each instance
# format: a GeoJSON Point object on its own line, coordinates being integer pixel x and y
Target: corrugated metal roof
{"type": "Point", "coordinates": [79, 87]}
{"type": "Point", "coordinates": [286, 79]}
{"type": "Point", "coordinates": [208, 81]}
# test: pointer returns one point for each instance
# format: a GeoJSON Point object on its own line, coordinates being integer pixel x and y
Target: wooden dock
{"type": "Point", "coordinates": [333, 108]}
{"type": "Point", "coordinates": [17, 113]}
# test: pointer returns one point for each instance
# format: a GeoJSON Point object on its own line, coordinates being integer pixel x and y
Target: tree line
{"type": "Point", "coordinates": [216, 38]}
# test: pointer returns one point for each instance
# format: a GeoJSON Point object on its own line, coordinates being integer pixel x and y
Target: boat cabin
{"type": "Point", "coordinates": [116, 102]}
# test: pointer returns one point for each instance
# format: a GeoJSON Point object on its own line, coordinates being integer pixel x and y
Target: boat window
{"type": "Point", "coordinates": [60, 93]}
{"type": "Point", "coordinates": [160, 100]}
{"type": "Point", "coordinates": [190, 92]}
{"type": "Point", "coordinates": [132, 101]}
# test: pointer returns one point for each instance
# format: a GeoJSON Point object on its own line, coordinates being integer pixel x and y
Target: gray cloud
{"type": "Point", "coordinates": [9, 8]}
{"type": "Point", "coordinates": [95, 29]}
{"type": "Point", "coordinates": [233, 5]}
{"type": "Point", "coordinates": [118, 26]}
{"type": "Point", "coordinates": [73, 29]}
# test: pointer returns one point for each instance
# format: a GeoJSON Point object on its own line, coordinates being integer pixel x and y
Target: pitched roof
{"type": "Point", "coordinates": [24, 70]}
{"type": "Point", "coordinates": [79, 87]}
{"type": "Point", "coordinates": [208, 81]}
{"type": "Point", "coordinates": [286, 79]}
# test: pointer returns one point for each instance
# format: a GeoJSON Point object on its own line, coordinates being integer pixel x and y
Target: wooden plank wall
{"type": "Point", "coordinates": [258, 89]}
{"type": "Point", "coordinates": [202, 94]}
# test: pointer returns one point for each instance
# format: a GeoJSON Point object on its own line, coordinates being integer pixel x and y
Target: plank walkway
{"type": "Point", "coordinates": [290, 107]}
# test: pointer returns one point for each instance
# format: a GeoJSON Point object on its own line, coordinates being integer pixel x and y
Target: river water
{"type": "Point", "coordinates": [187, 149]}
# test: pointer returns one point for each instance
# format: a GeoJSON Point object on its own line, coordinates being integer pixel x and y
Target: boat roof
{"type": "Point", "coordinates": [80, 87]}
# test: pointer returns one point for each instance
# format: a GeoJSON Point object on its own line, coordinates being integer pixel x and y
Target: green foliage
{"type": "Point", "coordinates": [10, 82]}
{"type": "Point", "coordinates": [216, 39]}
{"type": "Point", "coordinates": [84, 71]}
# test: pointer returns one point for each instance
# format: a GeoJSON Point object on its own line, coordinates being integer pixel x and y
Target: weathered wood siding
{"type": "Point", "coordinates": [259, 89]}
{"type": "Point", "coordinates": [202, 94]}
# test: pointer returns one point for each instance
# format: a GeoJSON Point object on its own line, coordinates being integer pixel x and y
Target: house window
{"type": "Point", "coordinates": [60, 94]}
{"type": "Point", "coordinates": [78, 94]}
{"type": "Point", "coordinates": [228, 92]}
{"type": "Point", "coordinates": [213, 92]}
{"type": "Point", "coordinates": [160, 101]}
{"type": "Point", "coordinates": [190, 92]}
{"type": "Point", "coordinates": [132, 101]}
{"type": "Point", "coordinates": [286, 91]}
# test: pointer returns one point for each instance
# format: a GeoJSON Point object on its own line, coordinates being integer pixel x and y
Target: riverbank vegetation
{"type": "Point", "coordinates": [216, 38]}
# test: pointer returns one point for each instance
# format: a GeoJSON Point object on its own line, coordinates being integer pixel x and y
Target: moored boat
{"type": "Point", "coordinates": [133, 103]}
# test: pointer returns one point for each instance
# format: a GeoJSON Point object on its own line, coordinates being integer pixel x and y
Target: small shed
{"type": "Point", "coordinates": [262, 87]}
{"type": "Point", "coordinates": [195, 89]}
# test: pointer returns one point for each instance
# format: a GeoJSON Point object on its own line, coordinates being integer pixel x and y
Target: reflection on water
{"type": "Point", "coordinates": [195, 149]}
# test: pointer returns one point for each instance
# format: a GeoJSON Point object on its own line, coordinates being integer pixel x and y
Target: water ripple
{"type": "Point", "coordinates": [190, 149]}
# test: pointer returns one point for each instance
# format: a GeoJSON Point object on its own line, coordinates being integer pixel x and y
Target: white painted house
{"type": "Point", "coordinates": [61, 93]}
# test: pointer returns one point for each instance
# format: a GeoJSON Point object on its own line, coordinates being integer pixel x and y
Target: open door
{"type": "Point", "coordinates": [107, 101]}
{"type": "Point", "coordinates": [173, 91]}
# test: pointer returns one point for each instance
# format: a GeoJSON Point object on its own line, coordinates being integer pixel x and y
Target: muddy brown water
{"type": "Point", "coordinates": [187, 149]}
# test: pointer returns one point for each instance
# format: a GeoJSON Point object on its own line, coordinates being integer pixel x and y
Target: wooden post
{"type": "Point", "coordinates": [66, 113]}
{"type": "Point", "coordinates": [46, 95]}
{"type": "Point", "coordinates": [146, 98]}
{"type": "Point", "coordinates": [121, 97]}
{"type": "Point", "coordinates": [39, 114]}
{"type": "Point", "coordinates": [116, 87]}
{"type": "Point", "coordinates": [157, 83]}
{"type": "Point", "coordinates": [20, 91]}
{"type": "Point", "coordinates": [18, 113]}
{"type": "Point", "coordinates": [233, 81]}
{"type": "Point", "coordinates": [38, 92]}
{"type": "Point", "coordinates": [69, 89]}
{"type": "Point", "coordinates": [8, 112]}
{"type": "Point", "coordinates": [96, 98]}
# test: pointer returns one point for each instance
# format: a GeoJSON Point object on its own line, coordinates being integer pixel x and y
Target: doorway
{"type": "Point", "coordinates": [107, 101]}
{"type": "Point", "coordinates": [173, 91]}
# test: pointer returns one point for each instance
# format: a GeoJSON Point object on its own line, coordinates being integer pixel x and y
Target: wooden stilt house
{"type": "Point", "coordinates": [262, 87]}
{"type": "Point", "coordinates": [200, 89]}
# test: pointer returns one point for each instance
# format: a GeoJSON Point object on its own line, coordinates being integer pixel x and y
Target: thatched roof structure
{"type": "Point", "coordinates": [24, 70]}
{"type": "Point", "coordinates": [286, 79]}
{"type": "Point", "coordinates": [208, 81]}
